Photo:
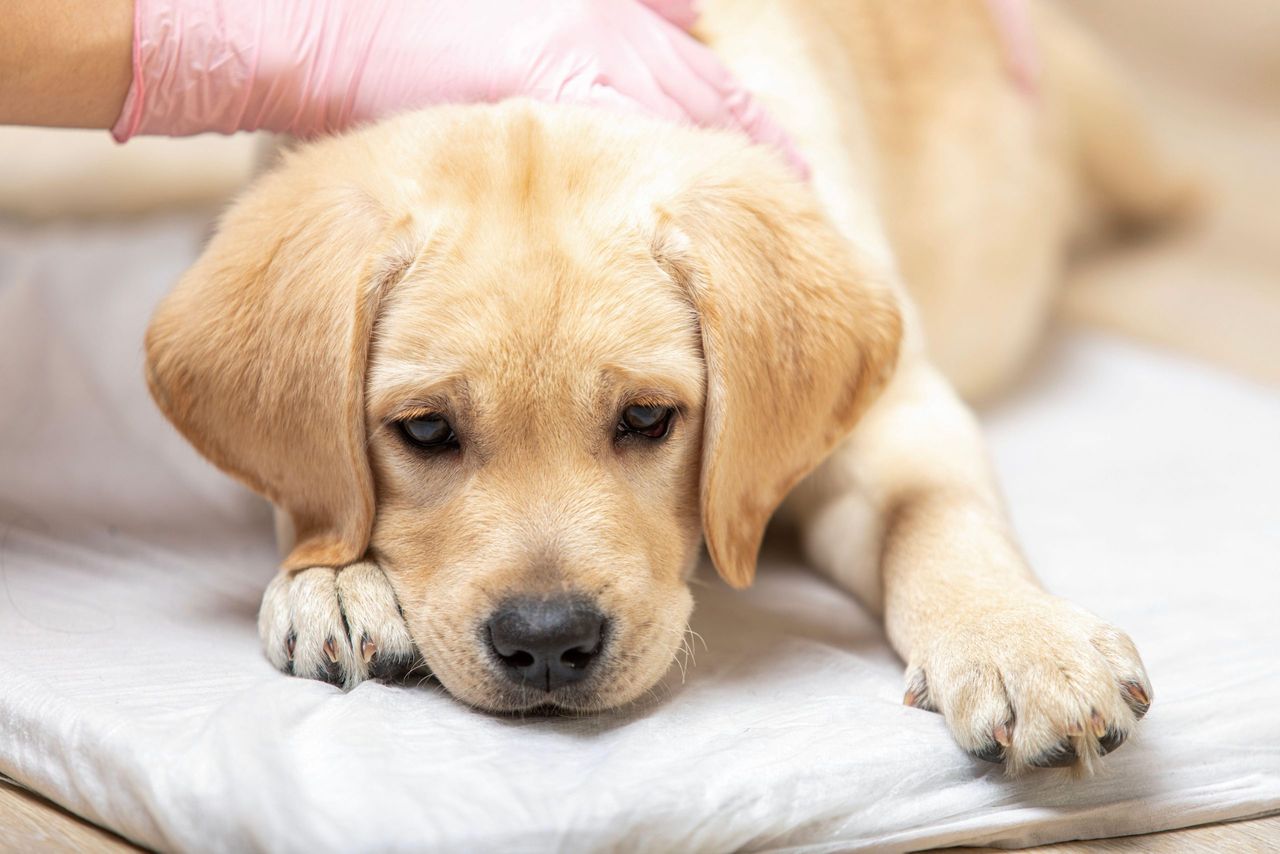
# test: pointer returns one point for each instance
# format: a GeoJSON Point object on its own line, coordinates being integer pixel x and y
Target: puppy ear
{"type": "Point", "coordinates": [798, 340]}
{"type": "Point", "coordinates": [258, 355]}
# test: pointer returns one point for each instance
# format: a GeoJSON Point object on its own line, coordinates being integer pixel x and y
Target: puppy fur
{"type": "Point", "coordinates": [529, 271]}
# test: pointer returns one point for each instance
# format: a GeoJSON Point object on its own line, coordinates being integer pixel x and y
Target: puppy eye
{"type": "Point", "coordinates": [429, 431]}
{"type": "Point", "coordinates": [651, 422]}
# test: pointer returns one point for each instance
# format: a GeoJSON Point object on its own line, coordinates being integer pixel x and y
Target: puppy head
{"type": "Point", "coordinates": [526, 359]}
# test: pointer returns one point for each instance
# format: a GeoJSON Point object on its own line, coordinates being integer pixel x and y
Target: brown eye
{"type": "Point", "coordinates": [651, 422]}
{"type": "Point", "coordinates": [429, 431]}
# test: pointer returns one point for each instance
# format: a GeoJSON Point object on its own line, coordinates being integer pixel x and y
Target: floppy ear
{"type": "Point", "coordinates": [798, 340]}
{"type": "Point", "coordinates": [258, 355]}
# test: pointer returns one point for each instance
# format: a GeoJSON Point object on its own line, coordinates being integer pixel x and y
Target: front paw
{"type": "Point", "coordinates": [337, 625]}
{"type": "Point", "coordinates": [1033, 682]}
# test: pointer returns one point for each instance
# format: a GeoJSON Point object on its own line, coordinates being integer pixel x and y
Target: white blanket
{"type": "Point", "coordinates": [133, 691]}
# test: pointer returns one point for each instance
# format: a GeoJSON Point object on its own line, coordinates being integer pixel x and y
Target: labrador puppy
{"type": "Point", "coordinates": [506, 368]}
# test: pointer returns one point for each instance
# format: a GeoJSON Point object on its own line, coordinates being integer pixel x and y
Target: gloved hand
{"type": "Point", "coordinates": [308, 67]}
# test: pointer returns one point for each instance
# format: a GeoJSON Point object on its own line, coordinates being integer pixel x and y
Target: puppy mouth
{"type": "Point", "coordinates": [576, 699]}
{"type": "Point", "coordinates": [487, 689]}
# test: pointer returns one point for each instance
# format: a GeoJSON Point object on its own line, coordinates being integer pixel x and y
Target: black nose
{"type": "Point", "coordinates": [546, 643]}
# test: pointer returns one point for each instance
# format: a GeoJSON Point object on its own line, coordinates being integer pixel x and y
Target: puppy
{"type": "Point", "coordinates": [506, 368]}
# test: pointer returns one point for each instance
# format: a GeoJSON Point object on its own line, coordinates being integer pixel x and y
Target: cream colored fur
{"type": "Point", "coordinates": [528, 271]}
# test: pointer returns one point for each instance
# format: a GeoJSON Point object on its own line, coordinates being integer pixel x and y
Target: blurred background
{"type": "Point", "coordinates": [1209, 74]}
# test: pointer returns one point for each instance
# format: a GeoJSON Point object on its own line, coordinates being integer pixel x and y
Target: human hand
{"type": "Point", "coordinates": [314, 67]}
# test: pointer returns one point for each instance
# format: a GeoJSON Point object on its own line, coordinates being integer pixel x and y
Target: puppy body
{"type": "Point", "coordinates": [529, 272]}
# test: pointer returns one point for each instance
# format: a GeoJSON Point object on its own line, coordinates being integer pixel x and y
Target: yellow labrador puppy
{"type": "Point", "coordinates": [505, 368]}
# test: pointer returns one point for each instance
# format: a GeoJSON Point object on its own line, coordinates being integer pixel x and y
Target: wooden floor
{"type": "Point", "coordinates": [29, 823]}
{"type": "Point", "coordinates": [1240, 837]}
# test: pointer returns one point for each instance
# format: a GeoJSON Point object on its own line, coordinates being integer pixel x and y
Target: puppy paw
{"type": "Point", "coordinates": [340, 626]}
{"type": "Point", "coordinates": [1034, 683]}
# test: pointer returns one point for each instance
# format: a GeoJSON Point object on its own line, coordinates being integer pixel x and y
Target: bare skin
{"type": "Point", "coordinates": [65, 63]}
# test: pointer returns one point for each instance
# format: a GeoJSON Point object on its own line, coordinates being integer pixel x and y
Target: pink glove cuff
{"type": "Point", "coordinates": [187, 75]}
{"type": "Point", "coordinates": [229, 65]}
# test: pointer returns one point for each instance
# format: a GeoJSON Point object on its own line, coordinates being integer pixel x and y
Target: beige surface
{"type": "Point", "coordinates": [53, 172]}
{"type": "Point", "coordinates": [1212, 74]}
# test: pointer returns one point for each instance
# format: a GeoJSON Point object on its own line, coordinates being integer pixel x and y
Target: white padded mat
{"type": "Point", "coordinates": [133, 692]}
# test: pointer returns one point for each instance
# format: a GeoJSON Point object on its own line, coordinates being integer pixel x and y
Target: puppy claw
{"type": "Point", "coordinates": [1002, 736]}
{"type": "Point", "coordinates": [367, 649]}
{"type": "Point", "coordinates": [1099, 725]}
{"type": "Point", "coordinates": [1136, 697]}
{"type": "Point", "coordinates": [290, 644]}
{"type": "Point", "coordinates": [331, 650]}
{"type": "Point", "coordinates": [917, 695]}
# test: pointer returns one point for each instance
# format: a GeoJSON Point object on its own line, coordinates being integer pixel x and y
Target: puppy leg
{"type": "Point", "coordinates": [337, 625]}
{"type": "Point", "coordinates": [1021, 676]}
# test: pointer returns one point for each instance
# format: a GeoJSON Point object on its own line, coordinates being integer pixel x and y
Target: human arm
{"type": "Point", "coordinates": [65, 63]}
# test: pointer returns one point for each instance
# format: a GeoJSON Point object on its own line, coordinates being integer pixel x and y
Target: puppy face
{"type": "Point", "coordinates": [526, 358]}
{"type": "Point", "coordinates": [559, 385]}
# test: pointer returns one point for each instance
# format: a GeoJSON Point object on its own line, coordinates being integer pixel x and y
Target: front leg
{"type": "Point", "coordinates": [906, 515]}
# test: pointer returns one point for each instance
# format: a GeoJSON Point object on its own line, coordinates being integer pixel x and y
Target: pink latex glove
{"type": "Point", "coordinates": [682, 13]}
{"type": "Point", "coordinates": [308, 67]}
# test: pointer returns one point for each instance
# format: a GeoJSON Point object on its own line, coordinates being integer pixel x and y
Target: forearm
{"type": "Point", "coordinates": [907, 513]}
{"type": "Point", "coordinates": [947, 553]}
{"type": "Point", "coordinates": [65, 63]}
{"type": "Point", "coordinates": [947, 547]}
